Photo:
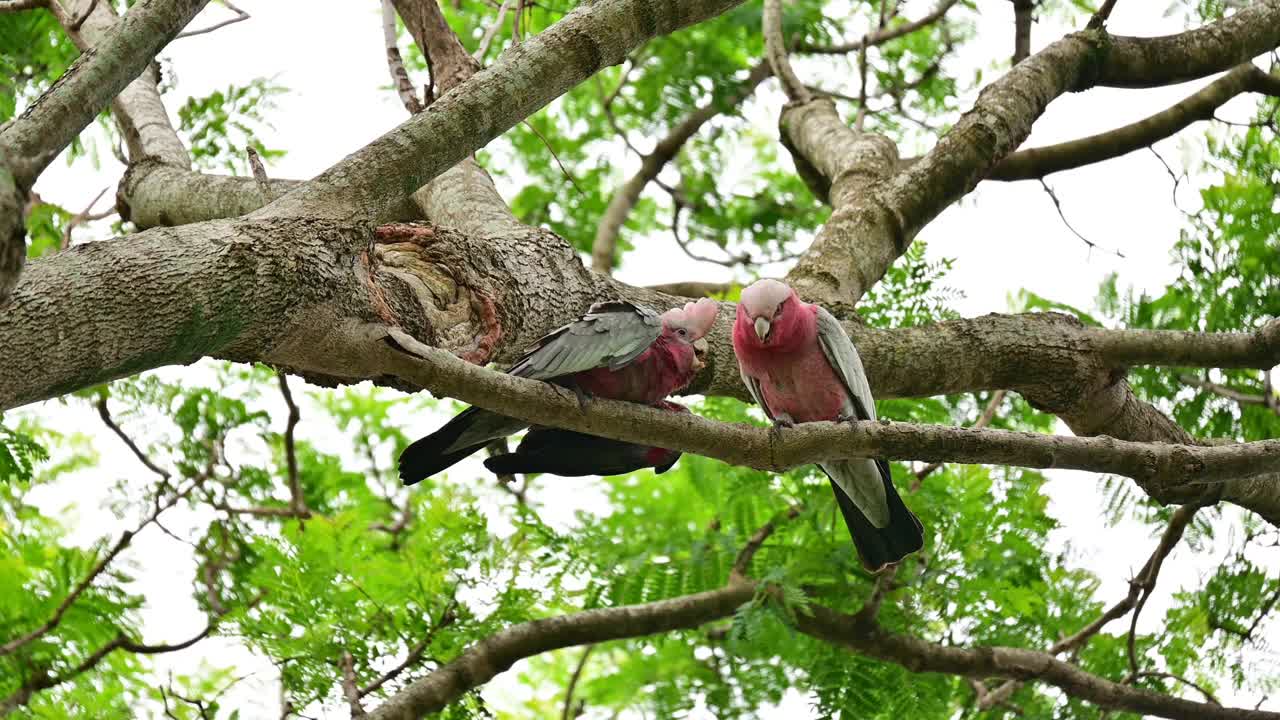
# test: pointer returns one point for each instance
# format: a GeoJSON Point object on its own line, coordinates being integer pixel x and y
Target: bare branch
{"type": "Point", "coordinates": [1022, 19]}
{"type": "Point", "coordinates": [882, 35]}
{"type": "Point", "coordinates": [742, 564]}
{"type": "Point", "coordinates": [241, 16]}
{"type": "Point", "coordinates": [31, 141]}
{"type": "Point", "coordinates": [1035, 163]}
{"type": "Point", "coordinates": [350, 687]}
{"type": "Point", "coordinates": [1224, 391]}
{"type": "Point", "coordinates": [568, 713]}
{"type": "Point", "coordinates": [1057, 205]}
{"type": "Point", "coordinates": [491, 32]}
{"type": "Point", "coordinates": [85, 215]}
{"type": "Point", "coordinates": [297, 502]}
{"type": "Point", "coordinates": [604, 247]}
{"type": "Point", "coordinates": [1203, 690]}
{"type": "Point", "coordinates": [105, 413]}
{"type": "Point", "coordinates": [395, 63]}
{"type": "Point", "coordinates": [1154, 464]}
{"type": "Point", "coordinates": [693, 288]}
{"type": "Point", "coordinates": [776, 52]}
{"type": "Point", "coordinates": [17, 5]}
{"type": "Point", "coordinates": [494, 654]}
{"type": "Point", "coordinates": [447, 617]}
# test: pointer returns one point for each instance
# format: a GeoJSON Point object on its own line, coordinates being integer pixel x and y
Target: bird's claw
{"type": "Point", "coordinates": [583, 398]}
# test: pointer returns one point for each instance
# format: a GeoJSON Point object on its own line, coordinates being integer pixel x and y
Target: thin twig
{"type": "Point", "coordinates": [563, 170]}
{"type": "Point", "coordinates": [491, 32]}
{"type": "Point", "coordinates": [85, 215]}
{"type": "Point", "coordinates": [241, 16]}
{"type": "Point", "coordinates": [748, 552]}
{"type": "Point", "coordinates": [1203, 690]}
{"type": "Point", "coordinates": [98, 569]}
{"type": "Point", "coordinates": [1058, 206]}
{"type": "Point", "coordinates": [569, 712]}
{"type": "Point", "coordinates": [297, 502]}
{"type": "Point", "coordinates": [447, 617]}
{"type": "Point", "coordinates": [105, 413]}
{"type": "Point", "coordinates": [1100, 18]}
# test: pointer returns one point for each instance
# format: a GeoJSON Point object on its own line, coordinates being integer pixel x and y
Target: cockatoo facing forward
{"type": "Point", "coordinates": [800, 366]}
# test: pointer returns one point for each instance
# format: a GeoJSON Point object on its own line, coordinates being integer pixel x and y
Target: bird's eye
{"type": "Point", "coordinates": [682, 331]}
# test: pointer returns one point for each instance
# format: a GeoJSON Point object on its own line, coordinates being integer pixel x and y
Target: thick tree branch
{"type": "Point", "coordinates": [1035, 163]}
{"type": "Point", "coordinates": [604, 247]}
{"type": "Point", "coordinates": [1155, 464]}
{"type": "Point", "coordinates": [31, 141]}
{"type": "Point", "coordinates": [1171, 59]}
{"type": "Point", "coordinates": [1001, 120]}
{"type": "Point", "coordinates": [369, 183]}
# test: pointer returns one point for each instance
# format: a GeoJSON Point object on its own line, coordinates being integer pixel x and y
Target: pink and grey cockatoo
{"type": "Point", "coordinates": [801, 366]}
{"type": "Point", "coordinates": [574, 454]}
{"type": "Point", "coordinates": [617, 350]}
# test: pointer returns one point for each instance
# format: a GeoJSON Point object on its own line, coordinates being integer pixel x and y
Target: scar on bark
{"type": "Point", "coordinates": [484, 310]}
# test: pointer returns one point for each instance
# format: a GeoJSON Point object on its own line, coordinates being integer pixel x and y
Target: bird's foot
{"type": "Point", "coordinates": [846, 418]}
{"type": "Point", "coordinates": [779, 422]}
{"type": "Point", "coordinates": [584, 398]}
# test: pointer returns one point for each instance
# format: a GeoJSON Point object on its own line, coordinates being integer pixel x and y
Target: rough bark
{"type": "Point", "coordinates": [841, 166]}
{"type": "Point", "coordinates": [368, 184]}
{"type": "Point", "coordinates": [157, 193]}
{"type": "Point", "coordinates": [1156, 465]}
{"type": "Point", "coordinates": [138, 109]}
{"type": "Point", "coordinates": [31, 141]}
{"type": "Point", "coordinates": [451, 64]}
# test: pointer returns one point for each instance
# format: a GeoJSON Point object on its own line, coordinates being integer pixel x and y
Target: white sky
{"type": "Point", "coordinates": [1004, 236]}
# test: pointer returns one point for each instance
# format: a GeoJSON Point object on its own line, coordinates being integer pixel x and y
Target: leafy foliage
{"type": "Point", "coordinates": [219, 126]}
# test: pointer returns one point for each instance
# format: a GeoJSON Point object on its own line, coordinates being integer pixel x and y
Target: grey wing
{"type": "Point", "coordinates": [610, 335]}
{"type": "Point", "coordinates": [844, 359]}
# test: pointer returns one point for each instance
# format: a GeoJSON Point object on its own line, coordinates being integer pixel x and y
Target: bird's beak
{"type": "Point", "coordinates": [699, 354]}
{"type": "Point", "coordinates": [762, 328]}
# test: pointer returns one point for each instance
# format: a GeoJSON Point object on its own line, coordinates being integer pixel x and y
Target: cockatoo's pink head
{"type": "Point", "coordinates": [690, 323]}
{"type": "Point", "coordinates": [762, 303]}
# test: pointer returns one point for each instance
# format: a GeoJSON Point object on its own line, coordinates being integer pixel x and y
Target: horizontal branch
{"type": "Point", "coordinates": [541, 404]}
{"type": "Point", "coordinates": [1170, 59]}
{"type": "Point", "coordinates": [918, 655]}
{"type": "Point", "coordinates": [1035, 163]}
{"type": "Point", "coordinates": [496, 653]}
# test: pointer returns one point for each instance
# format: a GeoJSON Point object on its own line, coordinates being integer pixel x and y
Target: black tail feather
{"type": "Point", "coordinates": [427, 456]}
{"type": "Point", "coordinates": [569, 454]}
{"type": "Point", "coordinates": [878, 547]}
